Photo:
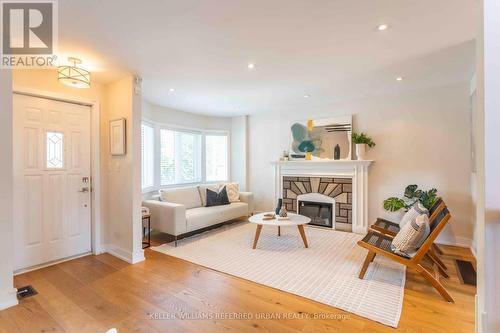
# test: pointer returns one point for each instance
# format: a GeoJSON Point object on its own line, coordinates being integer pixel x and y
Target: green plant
{"type": "Point", "coordinates": [394, 204]}
{"type": "Point", "coordinates": [362, 138]}
{"type": "Point", "coordinates": [412, 194]}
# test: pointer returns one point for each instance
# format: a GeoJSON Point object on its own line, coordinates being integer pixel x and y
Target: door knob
{"type": "Point", "coordinates": [84, 190]}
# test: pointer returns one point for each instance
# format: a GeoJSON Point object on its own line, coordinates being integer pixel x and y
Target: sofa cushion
{"type": "Point", "coordinates": [187, 196]}
{"type": "Point", "coordinates": [234, 210]}
{"type": "Point", "coordinates": [217, 198]}
{"type": "Point", "coordinates": [203, 191]}
{"type": "Point", "coordinates": [201, 217]}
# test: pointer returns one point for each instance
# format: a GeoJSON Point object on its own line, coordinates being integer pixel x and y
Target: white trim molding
{"type": "Point", "coordinates": [8, 299]}
{"type": "Point", "coordinates": [131, 258]}
{"type": "Point", "coordinates": [357, 170]}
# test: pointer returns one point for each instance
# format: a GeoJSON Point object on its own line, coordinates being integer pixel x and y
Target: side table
{"type": "Point", "coordinates": [146, 217]}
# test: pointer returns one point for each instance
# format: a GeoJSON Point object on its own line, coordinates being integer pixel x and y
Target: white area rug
{"type": "Point", "coordinates": [326, 272]}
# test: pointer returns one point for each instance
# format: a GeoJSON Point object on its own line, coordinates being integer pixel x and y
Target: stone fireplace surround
{"type": "Point", "coordinates": [340, 189]}
{"type": "Point", "coordinates": [344, 180]}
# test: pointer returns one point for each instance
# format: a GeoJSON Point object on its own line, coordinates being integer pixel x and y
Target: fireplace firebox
{"type": "Point", "coordinates": [320, 213]}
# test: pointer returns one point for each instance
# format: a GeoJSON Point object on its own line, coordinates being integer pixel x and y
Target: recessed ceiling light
{"type": "Point", "coordinates": [171, 89]}
{"type": "Point", "coordinates": [307, 96]}
{"type": "Point", "coordinates": [399, 78]}
{"type": "Point", "coordinates": [251, 66]}
{"type": "Point", "coordinates": [382, 27]}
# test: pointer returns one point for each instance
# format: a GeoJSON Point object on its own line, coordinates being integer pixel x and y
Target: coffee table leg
{"type": "Point", "coordinates": [279, 231]}
{"type": "Point", "coordinates": [257, 234]}
{"type": "Point", "coordinates": [303, 235]}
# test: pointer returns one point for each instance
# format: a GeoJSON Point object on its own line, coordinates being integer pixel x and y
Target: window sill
{"type": "Point", "coordinates": [156, 188]}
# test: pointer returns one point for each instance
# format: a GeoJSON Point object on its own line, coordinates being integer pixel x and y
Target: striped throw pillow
{"type": "Point", "coordinates": [411, 236]}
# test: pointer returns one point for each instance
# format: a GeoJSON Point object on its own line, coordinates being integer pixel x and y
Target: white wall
{"type": "Point", "coordinates": [239, 151]}
{"type": "Point", "coordinates": [7, 291]}
{"type": "Point", "coordinates": [184, 119]}
{"type": "Point", "coordinates": [46, 79]}
{"type": "Point", "coordinates": [475, 127]}
{"type": "Point", "coordinates": [422, 137]}
{"type": "Point", "coordinates": [122, 178]}
{"type": "Point", "coordinates": [488, 85]}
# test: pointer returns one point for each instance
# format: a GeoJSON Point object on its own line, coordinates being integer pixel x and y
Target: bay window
{"type": "Point", "coordinates": [216, 157]}
{"type": "Point", "coordinates": [182, 156]}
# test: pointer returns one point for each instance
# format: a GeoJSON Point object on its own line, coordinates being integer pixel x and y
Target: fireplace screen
{"type": "Point", "coordinates": [319, 212]}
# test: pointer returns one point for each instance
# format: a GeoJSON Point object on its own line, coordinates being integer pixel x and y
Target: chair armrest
{"type": "Point", "coordinates": [247, 197]}
{"type": "Point", "coordinates": [167, 217]}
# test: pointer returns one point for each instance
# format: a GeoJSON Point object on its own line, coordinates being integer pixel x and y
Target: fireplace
{"type": "Point", "coordinates": [319, 207]}
{"type": "Point", "coordinates": [343, 182]}
{"type": "Point", "coordinates": [317, 196]}
{"type": "Point", "coordinates": [321, 213]}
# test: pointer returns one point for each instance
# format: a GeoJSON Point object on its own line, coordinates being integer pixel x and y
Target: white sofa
{"type": "Point", "coordinates": [183, 211]}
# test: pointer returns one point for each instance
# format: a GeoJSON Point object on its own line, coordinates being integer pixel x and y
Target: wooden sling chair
{"type": "Point", "coordinates": [378, 243]}
{"type": "Point", "coordinates": [391, 229]}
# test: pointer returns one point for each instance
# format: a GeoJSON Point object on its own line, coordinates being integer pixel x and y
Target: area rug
{"type": "Point", "coordinates": [326, 272]}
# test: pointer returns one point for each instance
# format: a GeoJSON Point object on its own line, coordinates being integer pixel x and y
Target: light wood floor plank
{"type": "Point", "coordinates": [95, 293]}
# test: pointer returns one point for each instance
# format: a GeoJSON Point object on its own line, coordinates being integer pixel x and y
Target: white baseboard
{"type": "Point", "coordinates": [359, 230]}
{"type": "Point", "coordinates": [138, 257]}
{"type": "Point", "coordinates": [8, 299]}
{"type": "Point", "coordinates": [131, 258]}
{"type": "Point", "coordinates": [99, 249]}
{"type": "Point", "coordinates": [50, 263]}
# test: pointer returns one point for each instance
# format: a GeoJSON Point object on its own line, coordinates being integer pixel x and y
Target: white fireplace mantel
{"type": "Point", "coordinates": [355, 169]}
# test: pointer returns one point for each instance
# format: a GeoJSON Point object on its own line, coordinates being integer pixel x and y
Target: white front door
{"type": "Point", "coordinates": [52, 213]}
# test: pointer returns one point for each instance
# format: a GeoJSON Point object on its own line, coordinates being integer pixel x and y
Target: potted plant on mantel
{"type": "Point", "coordinates": [362, 140]}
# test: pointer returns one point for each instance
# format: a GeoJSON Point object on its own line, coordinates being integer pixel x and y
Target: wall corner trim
{"type": "Point", "coordinates": [8, 299]}
{"type": "Point", "coordinates": [130, 257]}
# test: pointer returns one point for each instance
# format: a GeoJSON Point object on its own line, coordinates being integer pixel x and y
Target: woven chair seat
{"type": "Point", "coordinates": [378, 240]}
{"type": "Point", "coordinates": [387, 225]}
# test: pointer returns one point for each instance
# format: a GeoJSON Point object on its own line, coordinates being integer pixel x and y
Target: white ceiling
{"type": "Point", "coordinates": [329, 49]}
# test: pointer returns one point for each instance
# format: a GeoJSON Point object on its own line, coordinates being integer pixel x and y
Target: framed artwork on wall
{"type": "Point", "coordinates": [322, 139]}
{"type": "Point", "coordinates": [117, 138]}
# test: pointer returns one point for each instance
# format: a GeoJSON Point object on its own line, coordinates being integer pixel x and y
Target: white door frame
{"type": "Point", "coordinates": [95, 154]}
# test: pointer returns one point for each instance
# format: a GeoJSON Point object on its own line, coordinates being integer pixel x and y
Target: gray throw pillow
{"type": "Point", "coordinates": [217, 198]}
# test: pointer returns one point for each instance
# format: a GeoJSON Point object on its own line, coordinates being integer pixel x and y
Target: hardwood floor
{"type": "Point", "coordinates": [96, 293]}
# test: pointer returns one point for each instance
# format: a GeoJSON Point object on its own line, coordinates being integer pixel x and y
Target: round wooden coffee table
{"type": "Point", "coordinates": [294, 220]}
